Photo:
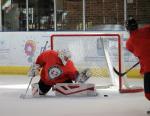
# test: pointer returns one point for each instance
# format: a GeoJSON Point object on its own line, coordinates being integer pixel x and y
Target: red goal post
{"type": "Point", "coordinates": [117, 37]}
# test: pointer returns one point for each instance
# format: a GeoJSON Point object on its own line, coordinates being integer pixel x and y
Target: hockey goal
{"type": "Point", "coordinates": [99, 52]}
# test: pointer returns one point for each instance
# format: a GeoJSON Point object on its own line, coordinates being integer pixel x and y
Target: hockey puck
{"type": "Point", "coordinates": [105, 95]}
{"type": "Point", "coordinates": [148, 112]}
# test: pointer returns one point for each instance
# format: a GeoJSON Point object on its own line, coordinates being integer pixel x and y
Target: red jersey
{"type": "Point", "coordinates": [139, 45]}
{"type": "Point", "coordinates": [53, 71]}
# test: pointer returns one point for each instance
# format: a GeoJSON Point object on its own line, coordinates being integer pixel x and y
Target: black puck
{"type": "Point", "coordinates": [105, 95]}
{"type": "Point", "coordinates": [148, 112]}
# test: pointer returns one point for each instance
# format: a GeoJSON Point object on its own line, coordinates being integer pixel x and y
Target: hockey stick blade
{"type": "Point", "coordinates": [119, 74]}
{"type": "Point", "coordinates": [122, 74]}
{"type": "Point", "coordinates": [22, 96]}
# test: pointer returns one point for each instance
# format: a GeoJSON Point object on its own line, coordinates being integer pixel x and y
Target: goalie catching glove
{"type": "Point", "coordinates": [34, 70]}
{"type": "Point", "coordinates": [84, 76]}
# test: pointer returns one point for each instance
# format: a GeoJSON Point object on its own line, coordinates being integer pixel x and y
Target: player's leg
{"type": "Point", "coordinates": [43, 88]}
{"type": "Point", "coordinates": [147, 85]}
{"type": "Point", "coordinates": [68, 81]}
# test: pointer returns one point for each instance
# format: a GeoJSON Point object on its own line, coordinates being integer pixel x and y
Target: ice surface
{"type": "Point", "coordinates": [115, 104]}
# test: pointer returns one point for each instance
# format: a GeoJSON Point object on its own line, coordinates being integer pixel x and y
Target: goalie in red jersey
{"type": "Point", "coordinates": [56, 67]}
{"type": "Point", "coordinates": [139, 44]}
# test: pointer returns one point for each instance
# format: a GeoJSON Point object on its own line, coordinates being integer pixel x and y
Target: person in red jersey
{"type": "Point", "coordinates": [139, 44]}
{"type": "Point", "coordinates": [55, 67]}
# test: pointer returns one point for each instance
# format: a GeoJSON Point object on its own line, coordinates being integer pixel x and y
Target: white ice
{"type": "Point", "coordinates": [116, 104]}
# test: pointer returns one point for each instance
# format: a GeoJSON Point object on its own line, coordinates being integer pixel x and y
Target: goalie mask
{"type": "Point", "coordinates": [64, 55]}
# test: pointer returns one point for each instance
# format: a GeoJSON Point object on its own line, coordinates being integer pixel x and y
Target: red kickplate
{"type": "Point", "coordinates": [131, 90]}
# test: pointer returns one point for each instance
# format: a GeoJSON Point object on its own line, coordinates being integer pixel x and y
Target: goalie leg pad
{"type": "Point", "coordinates": [75, 89]}
{"type": "Point", "coordinates": [35, 89]}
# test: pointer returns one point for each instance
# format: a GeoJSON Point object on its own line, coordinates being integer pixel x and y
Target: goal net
{"type": "Point", "coordinates": [98, 52]}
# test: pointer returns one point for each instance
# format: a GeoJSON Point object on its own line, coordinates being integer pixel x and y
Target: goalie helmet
{"type": "Point", "coordinates": [131, 24]}
{"type": "Point", "coordinates": [64, 55]}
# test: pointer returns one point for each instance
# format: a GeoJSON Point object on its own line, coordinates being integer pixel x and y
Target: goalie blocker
{"type": "Point", "coordinates": [75, 89]}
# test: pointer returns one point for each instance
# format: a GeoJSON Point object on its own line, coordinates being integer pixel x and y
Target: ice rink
{"type": "Point", "coordinates": [116, 104]}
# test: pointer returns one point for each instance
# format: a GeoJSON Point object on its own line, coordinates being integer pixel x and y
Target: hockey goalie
{"type": "Point", "coordinates": [58, 71]}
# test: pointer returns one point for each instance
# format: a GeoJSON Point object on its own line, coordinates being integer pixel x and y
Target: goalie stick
{"type": "Point", "coordinates": [122, 74]}
{"type": "Point", "coordinates": [24, 95]}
